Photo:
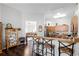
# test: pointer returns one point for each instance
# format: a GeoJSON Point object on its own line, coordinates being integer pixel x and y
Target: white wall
{"type": "Point", "coordinates": [10, 15]}
{"type": "Point", "coordinates": [78, 18]}
{"type": "Point", "coordinates": [39, 19]}
{"type": "Point", "coordinates": [0, 10]}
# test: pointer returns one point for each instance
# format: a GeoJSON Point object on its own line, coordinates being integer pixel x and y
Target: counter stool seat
{"type": "Point", "coordinates": [66, 50]}
{"type": "Point", "coordinates": [49, 46]}
{"type": "Point", "coordinates": [51, 49]}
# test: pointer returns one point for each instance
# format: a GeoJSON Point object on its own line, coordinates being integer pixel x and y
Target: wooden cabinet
{"type": "Point", "coordinates": [0, 37]}
{"type": "Point", "coordinates": [59, 28]}
{"type": "Point", "coordinates": [11, 36]}
{"type": "Point", "coordinates": [51, 28]}
{"type": "Point", "coordinates": [74, 25]}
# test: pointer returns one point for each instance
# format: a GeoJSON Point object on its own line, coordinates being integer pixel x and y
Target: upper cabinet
{"type": "Point", "coordinates": [61, 29]}
{"type": "Point", "coordinates": [74, 25]}
{"type": "Point", "coordinates": [58, 28]}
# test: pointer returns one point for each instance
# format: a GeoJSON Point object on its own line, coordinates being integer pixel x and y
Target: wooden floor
{"type": "Point", "coordinates": [21, 50]}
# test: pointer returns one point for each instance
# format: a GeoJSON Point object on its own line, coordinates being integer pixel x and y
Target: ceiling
{"type": "Point", "coordinates": [43, 8]}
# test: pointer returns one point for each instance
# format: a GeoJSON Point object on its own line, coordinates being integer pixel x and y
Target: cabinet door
{"type": "Point", "coordinates": [11, 37]}
{"type": "Point", "coordinates": [74, 24]}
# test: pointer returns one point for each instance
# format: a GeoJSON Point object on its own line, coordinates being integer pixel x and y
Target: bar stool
{"type": "Point", "coordinates": [68, 49]}
{"type": "Point", "coordinates": [38, 46]}
{"type": "Point", "coordinates": [49, 46]}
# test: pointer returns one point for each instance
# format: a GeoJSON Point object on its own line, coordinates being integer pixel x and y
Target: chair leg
{"type": "Point", "coordinates": [42, 48]}
{"type": "Point", "coordinates": [72, 49]}
{"type": "Point", "coordinates": [46, 51]}
{"type": "Point", "coordinates": [53, 51]}
{"type": "Point", "coordinates": [37, 50]}
{"type": "Point", "coordinates": [59, 48]}
{"type": "Point", "coordinates": [33, 48]}
{"type": "Point", "coordinates": [51, 48]}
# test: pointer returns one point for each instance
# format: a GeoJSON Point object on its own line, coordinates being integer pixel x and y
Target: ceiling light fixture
{"type": "Point", "coordinates": [58, 15]}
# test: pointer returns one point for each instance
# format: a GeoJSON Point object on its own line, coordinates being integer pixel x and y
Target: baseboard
{"type": "Point", "coordinates": [3, 48]}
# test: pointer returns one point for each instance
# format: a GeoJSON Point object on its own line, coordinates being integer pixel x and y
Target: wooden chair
{"type": "Point", "coordinates": [37, 42]}
{"type": "Point", "coordinates": [68, 49]}
{"type": "Point", "coordinates": [49, 48]}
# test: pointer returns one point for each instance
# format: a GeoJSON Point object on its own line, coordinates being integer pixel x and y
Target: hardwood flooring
{"type": "Point", "coordinates": [21, 50]}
